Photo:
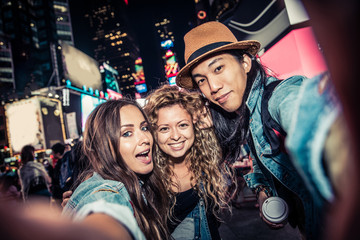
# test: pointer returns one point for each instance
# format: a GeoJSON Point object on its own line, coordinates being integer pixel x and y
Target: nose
{"type": "Point", "coordinates": [175, 135]}
{"type": "Point", "coordinates": [215, 85]}
{"type": "Point", "coordinates": [144, 138]}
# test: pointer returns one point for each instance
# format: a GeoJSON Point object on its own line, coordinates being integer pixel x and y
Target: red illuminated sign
{"type": "Point", "coordinates": [201, 14]}
{"type": "Point", "coordinates": [113, 95]}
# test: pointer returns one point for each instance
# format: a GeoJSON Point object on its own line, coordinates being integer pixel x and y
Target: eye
{"type": "Point", "coordinates": [163, 129]}
{"type": "Point", "coordinates": [145, 128]}
{"type": "Point", "coordinates": [183, 125]}
{"type": "Point", "coordinates": [200, 81]}
{"type": "Point", "coordinates": [127, 134]}
{"type": "Point", "coordinates": [218, 69]}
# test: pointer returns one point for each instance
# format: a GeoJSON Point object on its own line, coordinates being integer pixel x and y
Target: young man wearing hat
{"type": "Point", "coordinates": [228, 75]}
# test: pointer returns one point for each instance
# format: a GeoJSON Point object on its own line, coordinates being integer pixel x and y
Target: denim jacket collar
{"type": "Point", "coordinates": [254, 93]}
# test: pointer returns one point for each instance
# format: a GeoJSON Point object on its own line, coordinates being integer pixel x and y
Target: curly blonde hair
{"type": "Point", "coordinates": [209, 172]}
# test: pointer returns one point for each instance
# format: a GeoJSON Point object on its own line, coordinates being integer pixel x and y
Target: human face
{"type": "Point", "coordinates": [136, 141]}
{"type": "Point", "coordinates": [222, 79]}
{"type": "Point", "coordinates": [175, 131]}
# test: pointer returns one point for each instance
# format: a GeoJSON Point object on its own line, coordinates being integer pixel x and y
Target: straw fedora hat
{"type": "Point", "coordinates": [206, 39]}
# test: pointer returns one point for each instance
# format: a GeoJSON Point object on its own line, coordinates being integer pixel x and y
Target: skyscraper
{"type": "Point", "coordinates": [28, 45]}
{"type": "Point", "coordinates": [113, 42]}
{"type": "Point", "coordinates": [63, 21]}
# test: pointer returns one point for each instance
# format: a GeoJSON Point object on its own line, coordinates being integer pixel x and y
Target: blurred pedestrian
{"type": "Point", "coordinates": [67, 147]}
{"type": "Point", "coordinates": [34, 180]}
{"type": "Point", "coordinates": [73, 163]}
{"type": "Point", "coordinates": [58, 151]}
{"type": "Point", "coordinates": [8, 187]}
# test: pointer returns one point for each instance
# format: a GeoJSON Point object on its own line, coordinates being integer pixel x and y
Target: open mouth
{"type": "Point", "coordinates": [144, 156]}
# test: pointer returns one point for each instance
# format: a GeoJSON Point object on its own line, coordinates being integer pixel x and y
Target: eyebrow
{"type": "Point", "coordinates": [132, 125]}
{"type": "Point", "coordinates": [214, 61]}
{"type": "Point", "coordinates": [166, 124]}
{"type": "Point", "coordinates": [209, 65]}
{"type": "Point", "coordinates": [127, 125]}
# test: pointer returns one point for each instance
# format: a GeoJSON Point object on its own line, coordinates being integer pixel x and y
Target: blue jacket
{"type": "Point", "coordinates": [194, 226]}
{"type": "Point", "coordinates": [317, 98]}
{"type": "Point", "coordinates": [284, 107]}
{"type": "Point", "coordinates": [97, 195]}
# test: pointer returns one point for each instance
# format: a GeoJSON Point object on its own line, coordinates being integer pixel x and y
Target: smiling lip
{"type": "Point", "coordinates": [223, 98]}
{"type": "Point", "coordinates": [177, 146]}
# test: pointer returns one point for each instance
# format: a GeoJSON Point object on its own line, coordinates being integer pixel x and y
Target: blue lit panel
{"type": "Point", "coordinates": [141, 88]}
{"type": "Point", "coordinates": [172, 80]}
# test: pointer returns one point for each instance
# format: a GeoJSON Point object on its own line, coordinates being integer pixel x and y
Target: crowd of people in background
{"type": "Point", "coordinates": [165, 170]}
{"type": "Point", "coordinates": [45, 178]}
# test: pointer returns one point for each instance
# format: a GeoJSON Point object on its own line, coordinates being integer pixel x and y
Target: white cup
{"type": "Point", "coordinates": [275, 210]}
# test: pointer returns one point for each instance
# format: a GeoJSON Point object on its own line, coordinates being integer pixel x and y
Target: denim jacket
{"type": "Point", "coordinates": [194, 226]}
{"type": "Point", "coordinates": [306, 147]}
{"type": "Point", "coordinates": [97, 195]}
{"type": "Point", "coordinates": [283, 106]}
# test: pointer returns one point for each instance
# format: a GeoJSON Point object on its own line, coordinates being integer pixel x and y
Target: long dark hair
{"type": "Point", "coordinates": [232, 128]}
{"type": "Point", "coordinates": [27, 154]}
{"type": "Point", "coordinates": [101, 147]}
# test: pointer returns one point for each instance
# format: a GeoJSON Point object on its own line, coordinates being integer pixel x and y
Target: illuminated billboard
{"type": "Point", "coordinates": [110, 76]}
{"type": "Point", "coordinates": [113, 95]}
{"type": "Point", "coordinates": [37, 121]}
{"type": "Point", "coordinates": [171, 66]}
{"type": "Point", "coordinates": [80, 69]}
{"type": "Point", "coordinates": [167, 44]}
{"type": "Point", "coordinates": [139, 77]}
{"type": "Point", "coordinates": [141, 88]}
{"type": "Point", "coordinates": [88, 104]}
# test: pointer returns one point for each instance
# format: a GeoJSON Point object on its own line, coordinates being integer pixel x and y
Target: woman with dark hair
{"type": "Point", "coordinates": [248, 106]}
{"type": "Point", "coordinates": [190, 161]}
{"type": "Point", "coordinates": [34, 179]}
{"type": "Point", "coordinates": [121, 190]}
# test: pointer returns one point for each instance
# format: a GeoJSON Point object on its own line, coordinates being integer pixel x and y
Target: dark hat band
{"type": "Point", "coordinates": [206, 49]}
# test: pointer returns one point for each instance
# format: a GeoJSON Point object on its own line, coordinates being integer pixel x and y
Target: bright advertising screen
{"type": "Point", "coordinates": [141, 88]}
{"type": "Point", "coordinates": [80, 68]}
{"type": "Point", "coordinates": [110, 76]}
{"type": "Point", "coordinates": [139, 77]}
{"type": "Point", "coordinates": [167, 44]}
{"type": "Point", "coordinates": [171, 66]}
{"type": "Point", "coordinates": [88, 104]}
{"type": "Point", "coordinates": [24, 124]}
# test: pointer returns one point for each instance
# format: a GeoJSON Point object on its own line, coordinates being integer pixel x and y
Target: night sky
{"type": "Point", "coordinates": [141, 16]}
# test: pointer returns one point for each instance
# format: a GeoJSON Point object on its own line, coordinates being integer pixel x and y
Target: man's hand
{"type": "Point", "coordinates": [261, 199]}
{"type": "Point", "coordinates": [66, 197]}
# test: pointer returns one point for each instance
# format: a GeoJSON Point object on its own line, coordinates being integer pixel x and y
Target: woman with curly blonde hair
{"type": "Point", "coordinates": [189, 158]}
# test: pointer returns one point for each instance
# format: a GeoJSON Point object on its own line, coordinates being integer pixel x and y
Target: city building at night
{"type": "Point", "coordinates": [165, 32]}
{"type": "Point", "coordinates": [63, 22]}
{"type": "Point", "coordinates": [29, 50]}
{"type": "Point", "coordinates": [114, 44]}
{"type": "Point", "coordinates": [7, 80]}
